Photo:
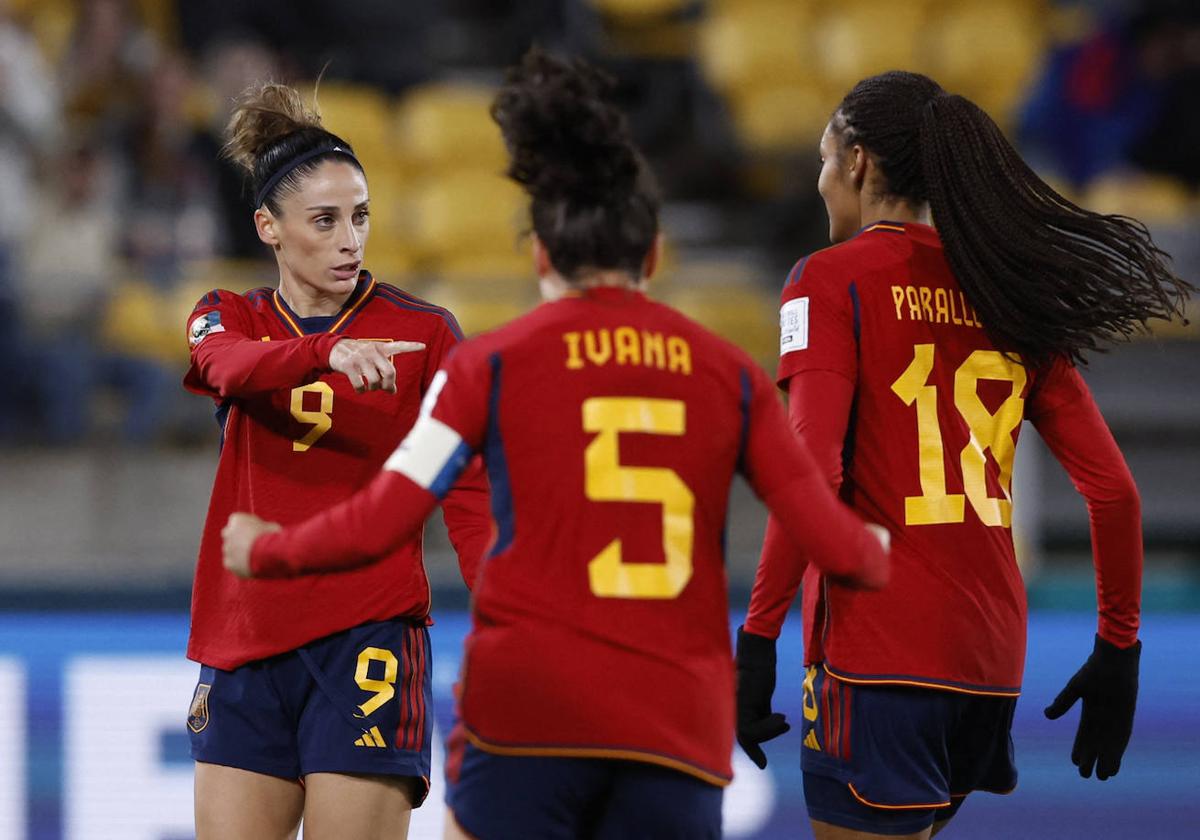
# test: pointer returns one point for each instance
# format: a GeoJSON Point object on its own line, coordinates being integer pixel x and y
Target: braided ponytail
{"type": "Point", "coordinates": [1048, 278]}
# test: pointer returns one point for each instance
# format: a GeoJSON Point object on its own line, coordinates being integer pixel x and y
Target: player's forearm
{"type": "Point", "coordinates": [1115, 515]}
{"type": "Point", "coordinates": [234, 366]}
{"type": "Point", "coordinates": [780, 570]}
{"type": "Point", "coordinates": [1117, 549]}
{"type": "Point", "coordinates": [357, 531]}
{"type": "Point", "coordinates": [1081, 441]}
{"type": "Point", "coordinates": [831, 536]}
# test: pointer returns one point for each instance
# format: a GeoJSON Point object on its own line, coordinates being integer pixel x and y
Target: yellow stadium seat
{"type": "Point", "coordinates": [512, 270]}
{"type": "Point", "coordinates": [638, 9]}
{"type": "Point", "coordinates": [448, 126]}
{"type": "Point", "coordinates": [477, 308]}
{"type": "Point", "coordinates": [51, 22]}
{"type": "Point", "coordinates": [739, 48]}
{"type": "Point", "coordinates": [743, 314]}
{"type": "Point", "coordinates": [987, 52]}
{"type": "Point", "coordinates": [1149, 198]}
{"type": "Point", "coordinates": [159, 17]}
{"type": "Point", "coordinates": [362, 116]}
{"type": "Point", "coordinates": [144, 322]}
{"type": "Point", "coordinates": [463, 213]}
{"type": "Point", "coordinates": [867, 38]}
{"type": "Point", "coordinates": [781, 118]}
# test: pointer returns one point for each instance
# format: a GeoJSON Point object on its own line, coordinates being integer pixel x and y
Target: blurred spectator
{"type": "Point", "coordinates": [378, 42]}
{"type": "Point", "coordinates": [109, 54]}
{"type": "Point", "coordinates": [1168, 145]}
{"type": "Point", "coordinates": [171, 181]}
{"type": "Point", "coordinates": [29, 129]}
{"type": "Point", "coordinates": [489, 34]}
{"type": "Point", "coordinates": [229, 67]}
{"type": "Point", "coordinates": [66, 286]}
{"type": "Point", "coordinates": [1124, 95]}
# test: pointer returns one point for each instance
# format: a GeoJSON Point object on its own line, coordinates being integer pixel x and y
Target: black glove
{"type": "Point", "coordinates": [756, 722]}
{"type": "Point", "coordinates": [1107, 683]}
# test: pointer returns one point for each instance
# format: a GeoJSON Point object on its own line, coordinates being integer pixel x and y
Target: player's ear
{"type": "Point", "coordinates": [859, 161]}
{"type": "Point", "coordinates": [541, 257]}
{"type": "Point", "coordinates": [650, 263]}
{"type": "Point", "coordinates": [264, 223]}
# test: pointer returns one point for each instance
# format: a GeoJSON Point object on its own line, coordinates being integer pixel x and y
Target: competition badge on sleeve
{"type": "Point", "coordinates": [793, 326]}
{"type": "Point", "coordinates": [206, 324]}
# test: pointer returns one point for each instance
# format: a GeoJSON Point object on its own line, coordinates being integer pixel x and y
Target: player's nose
{"type": "Point", "coordinates": [352, 239]}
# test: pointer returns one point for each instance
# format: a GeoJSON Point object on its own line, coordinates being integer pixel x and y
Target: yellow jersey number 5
{"type": "Point", "coordinates": [607, 480]}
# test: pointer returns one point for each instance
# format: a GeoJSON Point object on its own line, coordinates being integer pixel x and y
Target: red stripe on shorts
{"type": "Point", "coordinates": [825, 706]}
{"type": "Point", "coordinates": [419, 690]}
{"type": "Point", "coordinates": [846, 709]}
{"type": "Point", "coordinates": [403, 736]}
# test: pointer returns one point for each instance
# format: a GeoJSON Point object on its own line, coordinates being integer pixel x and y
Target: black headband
{"type": "Point", "coordinates": [283, 171]}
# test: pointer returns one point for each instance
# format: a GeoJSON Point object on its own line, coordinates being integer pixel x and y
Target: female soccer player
{"type": "Point", "coordinates": [322, 680]}
{"type": "Point", "coordinates": [911, 355]}
{"type": "Point", "coordinates": [597, 688]}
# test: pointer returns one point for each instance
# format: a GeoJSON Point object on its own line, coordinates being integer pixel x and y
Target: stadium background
{"type": "Point", "coordinates": [116, 215]}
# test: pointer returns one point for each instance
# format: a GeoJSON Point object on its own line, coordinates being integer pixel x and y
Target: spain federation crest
{"type": "Point", "coordinates": [198, 714]}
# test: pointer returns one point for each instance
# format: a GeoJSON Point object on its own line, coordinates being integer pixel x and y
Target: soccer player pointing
{"type": "Point", "coordinates": [315, 383]}
{"type": "Point", "coordinates": [959, 296]}
{"type": "Point", "coordinates": [597, 697]}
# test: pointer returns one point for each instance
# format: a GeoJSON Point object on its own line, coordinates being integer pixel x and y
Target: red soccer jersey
{"type": "Point", "coordinates": [931, 414]}
{"type": "Point", "coordinates": [295, 439]}
{"type": "Point", "coordinates": [611, 427]}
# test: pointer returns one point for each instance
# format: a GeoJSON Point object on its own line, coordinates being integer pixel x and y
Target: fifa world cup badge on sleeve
{"type": "Point", "coordinates": [793, 326]}
{"type": "Point", "coordinates": [198, 714]}
{"type": "Point", "coordinates": [206, 324]}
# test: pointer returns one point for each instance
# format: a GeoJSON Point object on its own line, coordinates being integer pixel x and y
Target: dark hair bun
{"type": "Point", "coordinates": [264, 114]}
{"type": "Point", "coordinates": [566, 139]}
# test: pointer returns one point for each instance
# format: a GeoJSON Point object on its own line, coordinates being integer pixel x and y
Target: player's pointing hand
{"type": "Point", "coordinates": [237, 538]}
{"type": "Point", "coordinates": [368, 364]}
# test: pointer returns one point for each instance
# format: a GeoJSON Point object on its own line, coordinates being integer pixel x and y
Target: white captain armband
{"type": "Point", "coordinates": [793, 326]}
{"type": "Point", "coordinates": [432, 455]}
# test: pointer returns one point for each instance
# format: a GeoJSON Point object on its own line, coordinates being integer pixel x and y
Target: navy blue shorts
{"type": "Point", "coordinates": [890, 759]}
{"type": "Point", "coordinates": [498, 797]}
{"type": "Point", "coordinates": [358, 701]}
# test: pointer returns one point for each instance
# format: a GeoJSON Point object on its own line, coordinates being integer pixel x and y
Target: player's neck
{"type": "Point", "coordinates": [554, 286]}
{"type": "Point", "coordinates": [308, 302]}
{"type": "Point", "coordinates": [895, 210]}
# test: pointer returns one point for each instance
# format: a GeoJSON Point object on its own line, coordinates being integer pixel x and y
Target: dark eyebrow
{"type": "Point", "coordinates": [329, 208]}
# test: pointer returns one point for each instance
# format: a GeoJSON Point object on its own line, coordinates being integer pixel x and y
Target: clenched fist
{"type": "Point", "coordinates": [237, 538]}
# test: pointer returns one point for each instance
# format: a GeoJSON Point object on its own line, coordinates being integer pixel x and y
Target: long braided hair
{"type": "Point", "coordinates": [1049, 279]}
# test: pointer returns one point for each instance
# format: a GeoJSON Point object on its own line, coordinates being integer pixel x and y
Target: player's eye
{"type": "Point", "coordinates": [361, 216]}
{"type": "Point", "coordinates": [323, 221]}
